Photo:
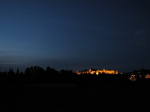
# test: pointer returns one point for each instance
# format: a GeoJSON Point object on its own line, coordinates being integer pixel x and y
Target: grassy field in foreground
{"type": "Point", "coordinates": [74, 99]}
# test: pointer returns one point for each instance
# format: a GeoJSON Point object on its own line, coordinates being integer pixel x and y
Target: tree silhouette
{"type": "Point", "coordinates": [36, 74]}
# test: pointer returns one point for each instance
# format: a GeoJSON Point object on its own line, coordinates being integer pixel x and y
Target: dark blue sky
{"type": "Point", "coordinates": [75, 34]}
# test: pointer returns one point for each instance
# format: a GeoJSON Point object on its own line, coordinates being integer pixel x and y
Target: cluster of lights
{"type": "Point", "coordinates": [97, 72]}
{"type": "Point", "coordinates": [104, 71]}
{"type": "Point", "coordinates": [134, 77]}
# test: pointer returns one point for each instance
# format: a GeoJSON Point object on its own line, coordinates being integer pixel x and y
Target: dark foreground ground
{"type": "Point", "coordinates": [51, 98]}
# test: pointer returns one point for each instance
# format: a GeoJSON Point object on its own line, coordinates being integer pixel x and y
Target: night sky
{"type": "Point", "coordinates": [75, 34]}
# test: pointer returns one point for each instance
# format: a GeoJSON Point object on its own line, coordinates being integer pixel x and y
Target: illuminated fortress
{"type": "Point", "coordinates": [97, 72]}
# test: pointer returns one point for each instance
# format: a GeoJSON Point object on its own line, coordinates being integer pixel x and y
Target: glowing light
{"type": "Point", "coordinates": [133, 78]}
{"type": "Point", "coordinates": [97, 73]}
{"type": "Point", "coordinates": [147, 76]}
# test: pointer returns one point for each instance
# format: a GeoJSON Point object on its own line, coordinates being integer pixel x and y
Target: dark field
{"type": "Point", "coordinates": [70, 98]}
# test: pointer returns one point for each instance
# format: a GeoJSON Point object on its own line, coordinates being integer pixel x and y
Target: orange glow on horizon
{"type": "Point", "coordinates": [97, 72]}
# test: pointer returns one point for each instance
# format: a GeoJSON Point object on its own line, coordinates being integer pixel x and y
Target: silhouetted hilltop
{"type": "Point", "coordinates": [36, 74]}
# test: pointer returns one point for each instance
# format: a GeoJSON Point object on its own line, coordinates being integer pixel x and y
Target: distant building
{"type": "Point", "coordinates": [97, 72]}
{"type": "Point", "coordinates": [133, 78]}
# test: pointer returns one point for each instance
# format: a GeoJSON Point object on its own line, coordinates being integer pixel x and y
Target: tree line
{"type": "Point", "coordinates": [36, 74]}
